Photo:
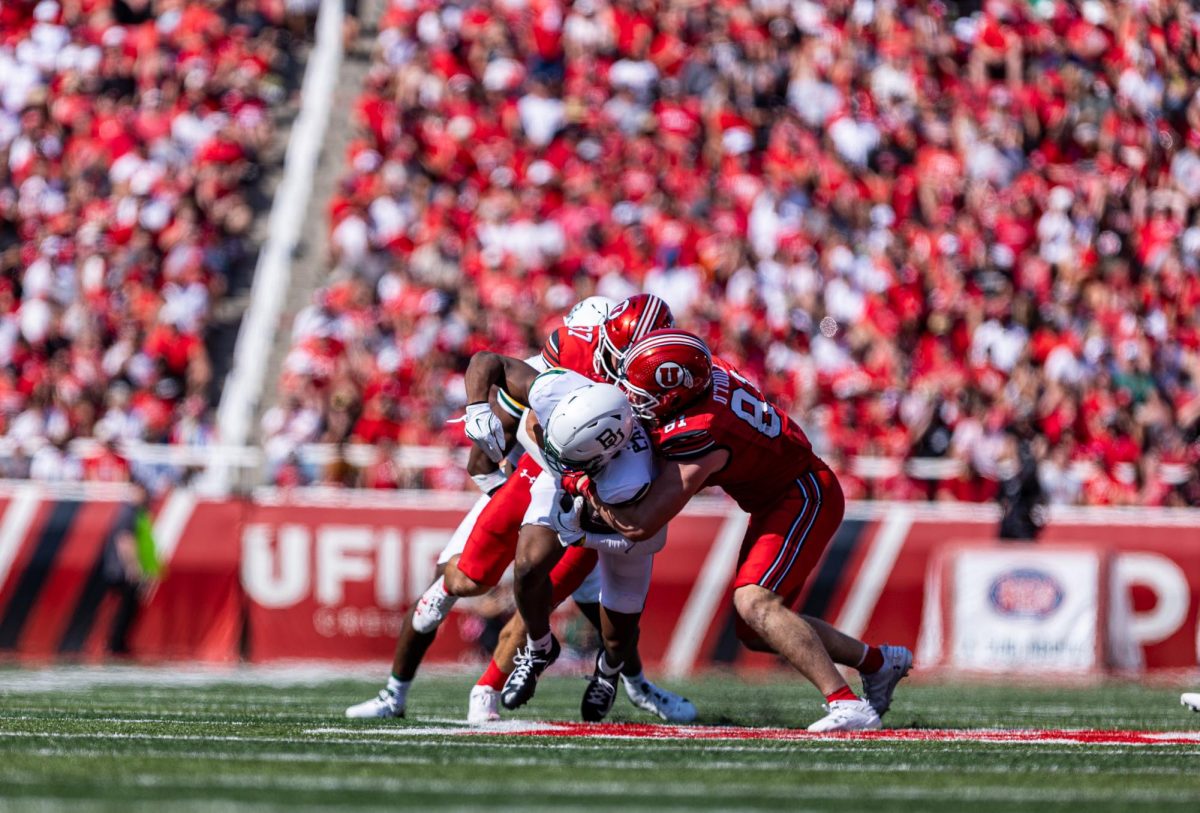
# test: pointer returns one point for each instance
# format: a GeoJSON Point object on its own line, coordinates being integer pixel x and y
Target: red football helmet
{"type": "Point", "coordinates": [664, 372]}
{"type": "Point", "coordinates": [628, 321]}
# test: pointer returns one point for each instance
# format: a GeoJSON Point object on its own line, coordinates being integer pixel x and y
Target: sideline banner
{"type": "Point", "coordinates": [1023, 610]}
{"type": "Point", "coordinates": [327, 574]}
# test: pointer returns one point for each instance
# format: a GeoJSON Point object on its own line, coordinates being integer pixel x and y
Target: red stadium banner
{"type": "Point", "coordinates": [328, 575]}
{"type": "Point", "coordinates": [58, 597]}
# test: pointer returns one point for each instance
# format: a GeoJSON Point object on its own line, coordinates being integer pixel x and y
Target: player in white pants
{"type": "Point", "coordinates": [572, 424]}
{"type": "Point", "coordinates": [421, 625]}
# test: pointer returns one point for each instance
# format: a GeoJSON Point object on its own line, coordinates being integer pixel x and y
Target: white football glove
{"type": "Point", "coordinates": [483, 427]}
{"type": "Point", "coordinates": [567, 518]}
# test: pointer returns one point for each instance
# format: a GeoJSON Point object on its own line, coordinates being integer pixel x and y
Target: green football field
{"type": "Point", "coordinates": [83, 744]}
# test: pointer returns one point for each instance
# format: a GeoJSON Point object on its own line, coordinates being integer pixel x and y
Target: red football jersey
{"type": "Point", "coordinates": [767, 450]}
{"type": "Point", "coordinates": [574, 348]}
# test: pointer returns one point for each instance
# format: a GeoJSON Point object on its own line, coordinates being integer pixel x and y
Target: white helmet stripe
{"type": "Point", "coordinates": [657, 342]}
{"type": "Point", "coordinates": [653, 306]}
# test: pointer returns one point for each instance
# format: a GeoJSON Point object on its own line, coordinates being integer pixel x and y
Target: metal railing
{"type": "Point", "coordinates": [253, 467]}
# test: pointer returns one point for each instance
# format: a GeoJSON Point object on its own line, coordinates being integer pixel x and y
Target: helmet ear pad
{"type": "Point", "coordinates": [588, 428]}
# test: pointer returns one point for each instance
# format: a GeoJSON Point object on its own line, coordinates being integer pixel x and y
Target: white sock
{"type": "Point", "coordinates": [398, 689]}
{"type": "Point", "coordinates": [541, 644]}
{"type": "Point", "coordinates": [606, 668]}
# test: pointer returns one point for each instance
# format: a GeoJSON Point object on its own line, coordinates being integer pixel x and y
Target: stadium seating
{"type": "Point", "coordinates": [131, 134]}
{"type": "Point", "coordinates": [931, 236]}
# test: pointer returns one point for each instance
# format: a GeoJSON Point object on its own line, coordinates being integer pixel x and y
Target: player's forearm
{"type": "Point", "coordinates": [485, 370]}
{"type": "Point", "coordinates": [676, 484]}
{"type": "Point", "coordinates": [488, 369]}
{"type": "Point", "coordinates": [479, 463]}
{"type": "Point", "coordinates": [643, 519]}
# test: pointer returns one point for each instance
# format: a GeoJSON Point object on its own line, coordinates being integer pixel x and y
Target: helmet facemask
{"type": "Point", "coordinates": [607, 359]}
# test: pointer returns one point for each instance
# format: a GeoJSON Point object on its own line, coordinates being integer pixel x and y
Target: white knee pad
{"type": "Point", "coordinates": [624, 581]}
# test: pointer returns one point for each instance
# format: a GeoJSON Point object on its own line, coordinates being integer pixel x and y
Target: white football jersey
{"type": "Point", "coordinates": [627, 476]}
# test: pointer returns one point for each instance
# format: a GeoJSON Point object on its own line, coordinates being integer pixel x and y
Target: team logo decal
{"type": "Point", "coordinates": [610, 438]}
{"type": "Point", "coordinates": [670, 375]}
{"type": "Point", "coordinates": [618, 310]}
{"type": "Point", "coordinates": [1026, 593]}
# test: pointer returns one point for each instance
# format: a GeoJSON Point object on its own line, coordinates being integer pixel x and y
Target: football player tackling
{"type": "Point", "coordinates": [712, 427]}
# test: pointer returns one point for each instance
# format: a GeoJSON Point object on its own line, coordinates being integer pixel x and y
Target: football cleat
{"type": "Point", "coordinates": [484, 706]}
{"type": "Point", "coordinates": [847, 715]}
{"type": "Point", "coordinates": [667, 705]}
{"type": "Point", "coordinates": [522, 683]}
{"type": "Point", "coordinates": [1191, 700]}
{"type": "Point", "coordinates": [599, 696]}
{"type": "Point", "coordinates": [432, 608]}
{"type": "Point", "coordinates": [383, 705]}
{"type": "Point", "coordinates": [880, 686]}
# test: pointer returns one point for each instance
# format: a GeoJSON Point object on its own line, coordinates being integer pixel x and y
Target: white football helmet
{"type": "Point", "coordinates": [589, 312]}
{"type": "Point", "coordinates": [587, 429]}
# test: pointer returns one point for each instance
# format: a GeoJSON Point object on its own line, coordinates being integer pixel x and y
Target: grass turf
{"type": "Point", "coordinates": [256, 747]}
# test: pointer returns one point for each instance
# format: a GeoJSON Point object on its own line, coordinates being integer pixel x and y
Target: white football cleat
{"type": "Point", "coordinates": [484, 706]}
{"type": "Point", "coordinates": [847, 715]}
{"type": "Point", "coordinates": [1191, 700]}
{"type": "Point", "coordinates": [383, 705]}
{"type": "Point", "coordinates": [432, 608]}
{"type": "Point", "coordinates": [665, 704]}
{"type": "Point", "coordinates": [880, 687]}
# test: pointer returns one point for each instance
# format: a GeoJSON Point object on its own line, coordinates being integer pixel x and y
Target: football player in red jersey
{"type": "Point", "coordinates": [712, 427]}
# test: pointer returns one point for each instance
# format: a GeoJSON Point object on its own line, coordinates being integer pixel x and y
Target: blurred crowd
{"type": "Point", "coordinates": [930, 229]}
{"type": "Point", "coordinates": [131, 139]}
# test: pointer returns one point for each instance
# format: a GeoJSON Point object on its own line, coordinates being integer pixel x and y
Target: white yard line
{"type": "Point", "coordinates": [756, 765]}
{"type": "Point", "coordinates": [461, 738]}
{"type": "Point", "coordinates": [627, 786]}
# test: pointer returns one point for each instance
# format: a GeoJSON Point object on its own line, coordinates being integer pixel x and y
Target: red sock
{"type": "Point", "coordinates": [493, 677]}
{"type": "Point", "coordinates": [872, 662]}
{"type": "Point", "coordinates": [843, 693]}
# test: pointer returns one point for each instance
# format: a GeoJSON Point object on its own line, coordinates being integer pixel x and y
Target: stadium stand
{"type": "Point", "coordinates": [131, 142]}
{"type": "Point", "coordinates": [930, 251]}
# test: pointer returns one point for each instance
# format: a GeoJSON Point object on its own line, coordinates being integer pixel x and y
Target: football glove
{"type": "Point", "coordinates": [483, 427]}
{"type": "Point", "coordinates": [578, 484]}
{"type": "Point", "coordinates": [567, 518]}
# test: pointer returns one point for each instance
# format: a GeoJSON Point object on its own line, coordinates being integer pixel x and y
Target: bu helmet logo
{"type": "Point", "coordinates": [610, 438]}
{"type": "Point", "coordinates": [670, 375]}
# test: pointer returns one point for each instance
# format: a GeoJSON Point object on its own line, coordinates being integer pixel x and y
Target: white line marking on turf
{"type": "Point", "coordinates": [170, 522]}
{"type": "Point", "coordinates": [702, 602]}
{"type": "Point", "coordinates": [865, 592]}
{"type": "Point", "coordinates": [690, 747]}
{"type": "Point", "coordinates": [20, 513]}
{"type": "Point", "coordinates": [756, 765]}
{"type": "Point", "coordinates": [623, 788]}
